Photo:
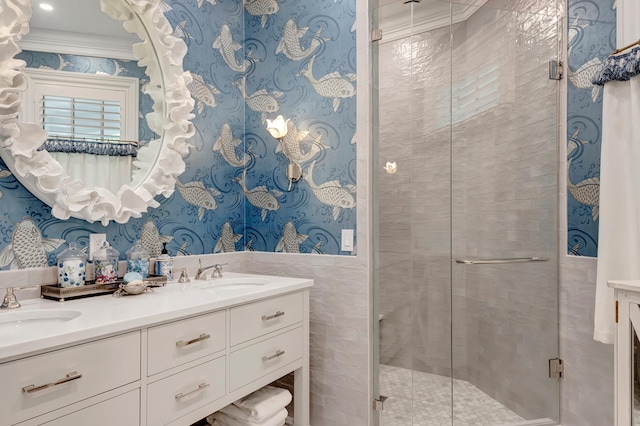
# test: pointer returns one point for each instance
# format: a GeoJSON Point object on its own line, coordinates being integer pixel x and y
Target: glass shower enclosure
{"type": "Point", "coordinates": [465, 211]}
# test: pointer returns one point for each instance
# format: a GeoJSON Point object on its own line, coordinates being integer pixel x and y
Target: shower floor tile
{"type": "Point", "coordinates": [432, 401]}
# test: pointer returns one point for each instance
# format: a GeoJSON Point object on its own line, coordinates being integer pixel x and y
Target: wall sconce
{"type": "Point", "coordinates": [278, 129]}
{"type": "Point", "coordinates": [391, 168]}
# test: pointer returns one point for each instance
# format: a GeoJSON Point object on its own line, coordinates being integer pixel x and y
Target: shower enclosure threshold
{"type": "Point", "coordinates": [537, 422]}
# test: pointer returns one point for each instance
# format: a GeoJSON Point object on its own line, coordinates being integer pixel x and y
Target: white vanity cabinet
{"type": "Point", "coordinates": [265, 340]}
{"type": "Point", "coordinates": [173, 372]}
{"type": "Point", "coordinates": [627, 296]}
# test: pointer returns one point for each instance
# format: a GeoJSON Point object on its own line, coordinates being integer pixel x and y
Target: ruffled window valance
{"type": "Point", "coordinates": [71, 146]}
{"type": "Point", "coordinates": [620, 67]}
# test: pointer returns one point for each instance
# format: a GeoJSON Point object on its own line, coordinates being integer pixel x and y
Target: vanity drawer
{"type": "Point", "coordinates": [39, 384]}
{"type": "Point", "coordinates": [259, 318]}
{"type": "Point", "coordinates": [253, 362]}
{"type": "Point", "coordinates": [122, 410]}
{"type": "Point", "coordinates": [177, 395]}
{"type": "Point", "coordinates": [186, 340]}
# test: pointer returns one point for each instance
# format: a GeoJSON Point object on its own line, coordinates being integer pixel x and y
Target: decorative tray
{"type": "Point", "coordinates": [56, 292]}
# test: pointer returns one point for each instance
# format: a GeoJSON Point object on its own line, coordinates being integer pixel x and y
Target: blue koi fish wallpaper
{"type": "Point", "coordinates": [303, 69]}
{"type": "Point", "coordinates": [250, 61]}
{"type": "Point", "coordinates": [591, 38]}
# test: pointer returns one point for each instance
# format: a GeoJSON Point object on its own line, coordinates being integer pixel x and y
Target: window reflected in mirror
{"type": "Point", "coordinates": [92, 121]}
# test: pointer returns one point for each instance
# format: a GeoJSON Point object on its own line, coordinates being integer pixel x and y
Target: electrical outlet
{"type": "Point", "coordinates": [96, 241]}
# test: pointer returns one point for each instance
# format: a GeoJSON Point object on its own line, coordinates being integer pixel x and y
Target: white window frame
{"type": "Point", "coordinates": [87, 86]}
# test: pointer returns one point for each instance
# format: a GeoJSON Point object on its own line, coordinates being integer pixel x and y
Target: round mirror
{"type": "Point", "coordinates": [46, 162]}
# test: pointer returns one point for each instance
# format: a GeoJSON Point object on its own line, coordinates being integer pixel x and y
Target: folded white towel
{"type": "Point", "coordinates": [221, 419]}
{"type": "Point", "coordinates": [259, 405]}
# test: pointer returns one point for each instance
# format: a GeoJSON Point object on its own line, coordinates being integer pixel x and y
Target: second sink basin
{"type": "Point", "coordinates": [22, 321]}
{"type": "Point", "coordinates": [234, 283]}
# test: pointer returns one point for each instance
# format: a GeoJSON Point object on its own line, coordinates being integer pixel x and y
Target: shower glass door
{"type": "Point", "coordinates": [467, 242]}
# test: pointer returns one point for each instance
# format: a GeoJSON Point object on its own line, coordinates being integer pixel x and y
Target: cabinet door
{"type": "Point", "coordinates": [123, 410]}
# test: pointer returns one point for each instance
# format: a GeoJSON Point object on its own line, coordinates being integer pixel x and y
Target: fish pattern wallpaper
{"type": "Point", "coordinates": [302, 66]}
{"type": "Point", "coordinates": [250, 60]}
{"type": "Point", "coordinates": [591, 38]}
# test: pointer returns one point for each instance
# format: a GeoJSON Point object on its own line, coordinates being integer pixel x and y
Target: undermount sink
{"type": "Point", "coordinates": [234, 283]}
{"type": "Point", "coordinates": [18, 321]}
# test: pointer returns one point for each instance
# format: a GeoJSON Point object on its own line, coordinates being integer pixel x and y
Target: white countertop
{"type": "Point", "coordinates": [106, 315]}
{"type": "Point", "coordinates": [629, 285]}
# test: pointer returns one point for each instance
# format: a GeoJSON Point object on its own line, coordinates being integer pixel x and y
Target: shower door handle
{"type": "Point", "coordinates": [501, 261]}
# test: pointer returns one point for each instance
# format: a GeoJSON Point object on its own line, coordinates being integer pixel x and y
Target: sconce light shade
{"type": "Point", "coordinates": [278, 127]}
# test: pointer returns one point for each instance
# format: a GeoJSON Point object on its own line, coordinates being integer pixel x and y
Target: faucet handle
{"type": "Point", "coordinates": [10, 300]}
{"type": "Point", "coordinates": [217, 270]}
{"type": "Point", "coordinates": [184, 278]}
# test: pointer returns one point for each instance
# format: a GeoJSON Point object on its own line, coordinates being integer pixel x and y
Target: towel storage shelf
{"type": "Point", "coordinates": [171, 373]}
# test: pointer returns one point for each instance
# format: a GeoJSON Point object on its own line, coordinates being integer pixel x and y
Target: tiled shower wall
{"type": "Point", "coordinates": [413, 214]}
{"type": "Point", "coordinates": [504, 204]}
{"type": "Point", "coordinates": [586, 391]}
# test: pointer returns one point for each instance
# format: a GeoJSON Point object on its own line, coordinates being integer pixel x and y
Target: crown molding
{"type": "Point", "coordinates": [68, 43]}
{"type": "Point", "coordinates": [394, 19]}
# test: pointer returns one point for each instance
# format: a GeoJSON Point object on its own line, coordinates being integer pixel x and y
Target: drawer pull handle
{"type": "Point", "coordinates": [28, 390]}
{"type": "Point", "coordinates": [276, 355]}
{"type": "Point", "coordinates": [184, 395]}
{"type": "Point", "coordinates": [182, 343]}
{"type": "Point", "coordinates": [274, 316]}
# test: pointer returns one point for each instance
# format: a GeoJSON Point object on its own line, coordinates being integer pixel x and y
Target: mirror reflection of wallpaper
{"type": "Point", "coordinates": [591, 38]}
{"type": "Point", "coordinates": [214, 198]}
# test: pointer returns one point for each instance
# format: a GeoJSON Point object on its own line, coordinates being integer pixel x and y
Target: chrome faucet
{"type": "Point", "coordinates": [10, 300]}
{"type": "Point", "coordinates": [202, 272]}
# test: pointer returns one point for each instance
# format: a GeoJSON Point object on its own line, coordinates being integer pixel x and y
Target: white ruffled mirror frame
{"type": "Point", "coordinates": [158, 164]}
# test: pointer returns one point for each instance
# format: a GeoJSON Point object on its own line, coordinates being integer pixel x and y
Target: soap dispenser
{"type": "Point", "coordinates": [105, 264]}
{"type": "Point", "coordinates": [72, 266]}
{"type": "Point", "coordinates": [138, 259]}
{"type": "Point", "coordinates": [164, 264]}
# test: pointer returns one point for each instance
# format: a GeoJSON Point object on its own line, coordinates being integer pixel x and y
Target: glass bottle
{"type": "Point", "coordinates": [164, 264]}
{"type": "Point", "coordinates": [138, 259]}
{"type": "Point", "coordinates": [72, 267]}
{"type": "Point", "coordinates": [105, 264]}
